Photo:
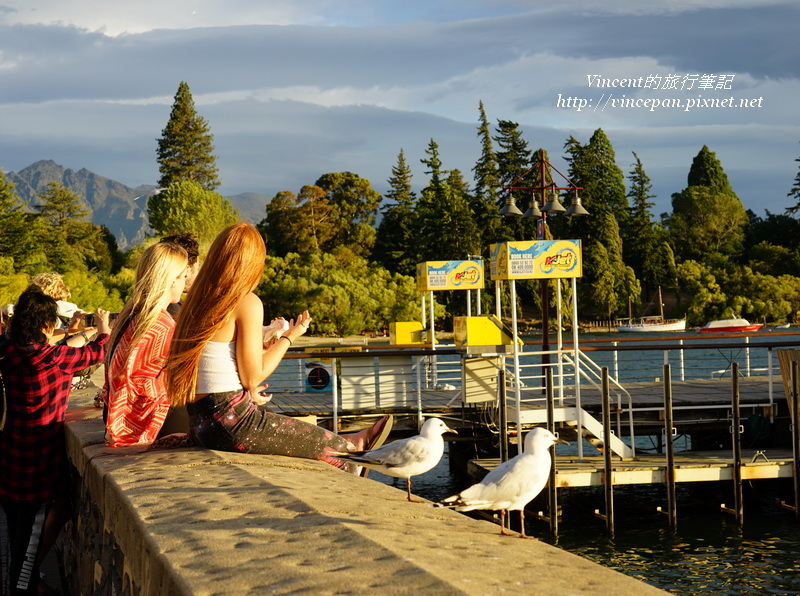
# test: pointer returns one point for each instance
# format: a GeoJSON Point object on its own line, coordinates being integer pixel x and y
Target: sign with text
{"type": "Point", "coordinates": [450, 275]}
{"type": "Point", "coordinates": [536, 259]}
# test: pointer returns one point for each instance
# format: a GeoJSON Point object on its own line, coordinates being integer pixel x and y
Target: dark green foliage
{"type": "Point", "coordinates": [354, 205]}
{"type": "Point", "coordinates": [707, 171]}
{"type": "Point", "coordinates": [185, 149]}
{"type": "Point", "coordinates": [708, 220]}
{"type": "Point", "coordinates": [396, 245]}
{"type": "Point", "coordinates": [487, 196]}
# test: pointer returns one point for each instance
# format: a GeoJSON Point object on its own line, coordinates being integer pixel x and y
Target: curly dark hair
{"type": "Point", "coordinates": [33, 313]}
{"type": "Point", "coordinates": [188, 243]}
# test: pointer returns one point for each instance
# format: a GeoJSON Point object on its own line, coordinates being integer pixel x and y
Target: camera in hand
{"type": "Point", "coordinates": [88, 318]}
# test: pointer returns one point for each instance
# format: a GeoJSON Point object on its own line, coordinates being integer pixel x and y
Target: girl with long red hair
{"type": "Point", "coordinates": [218, 362]}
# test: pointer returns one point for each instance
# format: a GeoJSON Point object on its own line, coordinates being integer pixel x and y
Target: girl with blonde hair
{"type": "Point", "coordinates": [218, 362]}
{"type": "Point", "coordinates": [135, 393]}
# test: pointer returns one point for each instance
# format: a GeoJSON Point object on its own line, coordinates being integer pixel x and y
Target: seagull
{"type": "Point", "coordinates": [512, 484]}
{"type": "Point", "coordinates": [406, 457]}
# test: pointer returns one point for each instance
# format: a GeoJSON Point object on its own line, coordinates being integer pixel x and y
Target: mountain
{"type": "Point", "coordinates": [120, 208]}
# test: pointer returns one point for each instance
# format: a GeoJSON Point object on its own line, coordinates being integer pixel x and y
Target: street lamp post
{"type": "Point", "coordinates": [554, 206]}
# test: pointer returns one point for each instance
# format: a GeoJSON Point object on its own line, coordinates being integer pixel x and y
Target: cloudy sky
{"type": "Point", "coordinates": [292, 90]}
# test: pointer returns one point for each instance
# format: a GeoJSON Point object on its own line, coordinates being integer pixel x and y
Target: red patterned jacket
{"type": "Point", "coordinates": [135, 390]}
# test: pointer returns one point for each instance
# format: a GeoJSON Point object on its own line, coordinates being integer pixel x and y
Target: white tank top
{"type": "Point", "coordinates": [217, 370]}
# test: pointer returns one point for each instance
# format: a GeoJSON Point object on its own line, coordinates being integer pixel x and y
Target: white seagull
{"type": "Point", "coordinates": [408, 457]}
{"type": "Point", "coordinates": [514, 483]}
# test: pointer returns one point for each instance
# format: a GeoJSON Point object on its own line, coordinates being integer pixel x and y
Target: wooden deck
{"type": "Point", "coordinates": [701, 466]}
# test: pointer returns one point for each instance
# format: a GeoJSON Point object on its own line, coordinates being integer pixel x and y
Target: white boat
{"type": "Point", "coordinates": [730, 326]}
{"type": "Point", "coordinates": [652, 324]}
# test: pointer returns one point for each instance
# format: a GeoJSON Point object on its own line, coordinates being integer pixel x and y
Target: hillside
{"type": "Point", "coordinates": [122, 209]}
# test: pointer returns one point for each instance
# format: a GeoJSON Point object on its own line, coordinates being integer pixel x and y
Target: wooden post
{"type": "Point", "coordinates": [669, 432]}
{"type": "Point", "coordinates": [608, 478]}
{"type": "Point", "coordinates": [552, 490]}
{"type": "Point", "coordinates": [736, 437]}
{"type": "Point", "coordinates": [501, 379]}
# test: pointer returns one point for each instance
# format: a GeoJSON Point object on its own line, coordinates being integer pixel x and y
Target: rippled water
{"type": "Point", "coordinates": [707, 555]}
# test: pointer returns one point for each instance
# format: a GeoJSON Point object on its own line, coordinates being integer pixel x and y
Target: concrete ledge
{"type": "Point", "coordinates": [194, 521]}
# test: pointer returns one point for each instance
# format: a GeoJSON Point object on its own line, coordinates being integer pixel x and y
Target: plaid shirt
{"type": "Point", "coordinates": [33, 457]}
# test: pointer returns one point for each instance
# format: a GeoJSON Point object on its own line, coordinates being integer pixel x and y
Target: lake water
{"type": "Point", "coordinates": [708, 554]}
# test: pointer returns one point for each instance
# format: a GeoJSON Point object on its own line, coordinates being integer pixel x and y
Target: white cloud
{"type": "Point", "coordinates": [293, 90]}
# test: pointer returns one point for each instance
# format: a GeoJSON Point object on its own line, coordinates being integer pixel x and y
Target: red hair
{"type": "Point", "coordinates": [231, 270]}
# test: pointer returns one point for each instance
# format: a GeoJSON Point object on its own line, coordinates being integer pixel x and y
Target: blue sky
{"type": "Point", "coordinates": [292, 90]}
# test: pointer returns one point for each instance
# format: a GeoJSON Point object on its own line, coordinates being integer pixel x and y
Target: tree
{"type": "Point", "coordinates": [345, 293]}
{"type": "Point", "coordinates": [613, 283]}
{"type": "Point", "coordinates": [396, 243]}
{"type": "Point", "coordinates": [513, 167]}
{"type": "Point", "coordinates": [486, 198]}
{"type": "Point", "coordinates": [447, 227]}
{"type": "Point", "coordinates": [185, 149]}
{"type": "Point", "coordinates": [706, 170]}
{"type": "Point", "coordinates": [68, 240]}
{"type": "Point", "coordinates": [708, 220]}
{"type": "Point", "coordinates": [187, 208]}
{"type": "Point", "coordinates": [354, 205]}
{"type": "Point", "coordinates": [645, 244]}
{"type": "Point", "coordinates": [593, 168]}
{"type": "Point", "coordinates": [18, 238]}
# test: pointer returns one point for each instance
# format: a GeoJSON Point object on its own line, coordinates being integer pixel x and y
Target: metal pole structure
{"type": "Point", "coordinates": [517, 388]}
{"type": "Point", "coordinates": [736, 438]}
{"type": "Point", "coordinates": [335, 393]}
{"type": "Point", "coordinates": [432, 338]}
{"type": "Point", "coordinates": [669, 433]}
{"type": "Point", "coordinates": [503, 405]}
{"type": "Point", "coordinates": [608, 473]}
{"type": "Point", "coordinates": [559, 343]}
{"type": "Point", "coordinates": [577, 357]}
{"type": "Point", "coordinates": [552, 489]}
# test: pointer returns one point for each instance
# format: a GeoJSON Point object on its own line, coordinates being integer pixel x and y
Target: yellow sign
{"type": "Point", "coordinates": [449, 275]}
{"type": "Point", "coordinates": [536, 259]}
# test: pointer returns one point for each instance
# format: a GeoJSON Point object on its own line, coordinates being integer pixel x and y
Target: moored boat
{"type": "Point", "coordinates": [654, 323]}
{"type": "Point", "coordinates": [651, 324]}
{"type": "Point", "coordinates": [730, 326]}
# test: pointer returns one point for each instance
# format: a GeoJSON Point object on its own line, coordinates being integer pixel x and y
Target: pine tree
{"type": "Point", "coordinates": [487, 194]}
{"type": "Point", "coordinates": [69, 240]}
{"type": "Point", "coordinates": [185, 149]}
{"type": "Point", "coordinates": [514, 169]}
{"type": "Point", "coordinates": [706, 170]}
{"type": "Point", "coordinates": [708, 220]}
{"type": "Point", "coordinates": [396, 243]}
{"type": "Point", "coordinates": [17, 238]}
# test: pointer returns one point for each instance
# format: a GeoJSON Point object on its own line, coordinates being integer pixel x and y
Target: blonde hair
{"type": "Point", "coordinates": [52, 284]}
{"type": "Point", "coordinates": [158, 267]}
{"type": "Point", "coordinates": [230, 271]}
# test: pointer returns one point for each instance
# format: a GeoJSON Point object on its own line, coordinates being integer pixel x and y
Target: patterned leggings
{"type": "Point", "coordinates": [231, 421]}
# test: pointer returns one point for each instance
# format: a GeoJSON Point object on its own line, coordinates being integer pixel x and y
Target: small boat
{"type": "Point", "coordinates": [730, 326]}
{"type": "Point", "coordinates": [655, 323]}
{"type": "Point", "coordinates": [651, 324]}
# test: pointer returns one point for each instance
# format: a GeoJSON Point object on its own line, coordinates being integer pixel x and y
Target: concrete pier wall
{"type": "Point", "coordinates": [195, 521]}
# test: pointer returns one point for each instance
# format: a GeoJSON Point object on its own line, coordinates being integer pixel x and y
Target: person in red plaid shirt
{"type": "Point", "coordinates": [34, 472]}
